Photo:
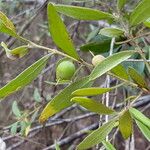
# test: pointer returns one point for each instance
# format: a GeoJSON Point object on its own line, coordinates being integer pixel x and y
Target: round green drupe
{"type": "Point", "coordinates": [65, 70]}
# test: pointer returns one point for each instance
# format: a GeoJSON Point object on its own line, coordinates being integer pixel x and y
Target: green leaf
{"type": "Point", "coordinates": [125, 124]}
{"type": "Point", "coordinates": [15, 109]}
{"type": "Point", "coordinates": [140, 117]}
{"type": "Point", "coordinates": [140, 13]}
{"type": "Point", "coordinates": [97, 136]}
{"type": "Point", "coordinates": [37, 96]}
{"type": "Point", "coordinates": [62, 100]}
{"type": "Point", "coordinates": [147, 23]}
{"type": "Point", "coordinates": [108, 145]}
{"type": "Point", "coordinates": [24, 78]}
{"type": "Point", "coordinates": [120, 4]}
{"type": "Point", "coordinates": [93, 91]}
{"type": "Point", "coordinates": [111, 32]}
{"type": "Point", "coordinates": [6, 26]}
{"type": "Point", "coordinates": [109, 63]}
{"type": "Point", "coordinates": [137, 78]}
{"type": "Point", "coordinates": [92, 105]}
{"type": "Point", "coordinates": [13, 128]}
{"type": "Point", "coordinates": [83, 13]}
{"type": "Point", "coordinates": [99, 44]}
{"type": "Point", "coordinates": [120, 72]}
{"type": "Point", "coordinates": [144, 129]}
{"type": "Point", "coordinates": [59, 32]}
{"type": "Point", "coordinates": [18, 52]}
{"type": "Point", "coordinates": [57, 146]}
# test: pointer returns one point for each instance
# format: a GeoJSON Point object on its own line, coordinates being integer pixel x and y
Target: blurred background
{"type": "Point", "coordinates": [70, 126]}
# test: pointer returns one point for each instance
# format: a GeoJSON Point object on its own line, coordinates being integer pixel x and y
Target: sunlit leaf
{"type": "Point", "coordinates": [62, 100]}
{"type": "Point", "coordinates": [109, 63]}
{"type": "Point", "coordinates": [140, 117]}
{"type": "Point", "coordinates": [83, 13]}
{"type": "Point", "coordinates": [92, 105]}
{"type": "Point", "coordinates": [108, 145]}
{"type": "Point", "coordinates": [59, 32]}
{"type": "Point", "coordinates": [6, 26]}
{"type": "Point", "coordinates": [93, 91]}
{"type": "Point", "coordinates": [121, 3]}
{"type": "Point", "coordinates": [24, 78]}
{"type": "Point", "coordinates": [144, 129]}
{"type": "Point", "coordinates": [138, 16]}
{"type": "Point", "coordinates": [97, 136]}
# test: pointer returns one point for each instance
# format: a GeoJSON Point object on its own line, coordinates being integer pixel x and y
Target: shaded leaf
{"type": "Point", "coordinates": [108, 145]}
{"type": "Point", "coordinates": [120, 72]}
{"type": "Point", "coordinates": [111, 32]}
{"type": "Point", "coordinates": [59, 32]}
{"type": "Point", "coordinates": [15, 109]}
{"type": "Point", "coordinates": [140, 117]}
{"type": "Point", "coordinates": [83, 13]}
{"type": "Point", "coordinates": [138, 16]}
{"type": "Point", "coordinates": [13, 129]}
{"type": "Point", "coordinates": [24, 78]}
{"type": "Point", "coordinates": [37, 96]}
{"type": "Point", "coordinates": [125, 124]}
{"type": "Point", "coordinates": [137, 78]}
{"type": "Point", "coordinates": [92, 105]}
{"type": "Point", "coordinates": [97, 136]}
{"type": "Point", "coordinates": [99, 44]}
{"type": "Point", "coordinates": [62, 100]}
{"type": "Point", "coordinates": [93, 91]}
{"type": "Point", "coordinates": [144, 129]}
{"type": "Point", "coordinates": [109, 63]}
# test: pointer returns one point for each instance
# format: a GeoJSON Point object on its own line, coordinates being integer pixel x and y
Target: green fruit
{"type": "Point", "coordinates": [65, 70]}
{"type": "Point", "coordinates": [97, 59]}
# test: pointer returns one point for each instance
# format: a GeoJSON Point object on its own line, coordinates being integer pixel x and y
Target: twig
{"type": "Point", "coordinates": [74, 136]}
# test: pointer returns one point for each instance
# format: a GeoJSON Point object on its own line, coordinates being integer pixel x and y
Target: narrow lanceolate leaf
{"type": "Point", "coordinates": [120, 4]}
{"type": "Point", "coordinates": [92, 105]}
{"type": "Point", "coordinates": [125, 124]}
{"type": "Point", "coordinates": [97, 136]}
{"type": "Point", "coordinates": [137, 78]}
{"type": "Point", "coordinates": [83, 13]}
{"type": "Point", "coordinates": [13, 129]}
{"type": "Point", "coordinates": [120, 72]}
{"type": "Point", "coordinates": [109, 63]}
{"type": "Point", "coordinates": [140, 13]}
{"type": "Point", "coordinates": [6, 26]}
{"type": "Point", "coordinates": [112, 32]}
{"type": "Point", "coordinates": [62, 100]}
{"type": "Point", "coordinates": [108, 145]}
{"type": "Point", "coordinates": [59, 32]}
{"type": "Point", "coordinates": [140, 117]}
{"type": "Point", "coordinates": [147, 23]}
{"type": "Point", "coordinates": [93, 91]}
{"type": "Point", "coordinates": [144, 129]}
{"type": "Point", "coordinates": [15, 109]}
{"type": "Point", "coordinates": [25, 78]}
